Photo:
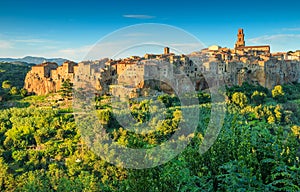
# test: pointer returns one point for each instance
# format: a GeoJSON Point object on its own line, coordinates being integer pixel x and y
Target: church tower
{"type": "Point", "coordinates": [241, 39]}
{"type": "Point", "coordinates": [166, 50]}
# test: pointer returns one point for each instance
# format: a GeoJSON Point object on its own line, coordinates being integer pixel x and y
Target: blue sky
{"type": "Point", "coordinates": [69, 28]}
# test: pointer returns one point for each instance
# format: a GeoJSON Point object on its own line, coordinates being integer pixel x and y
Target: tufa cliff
{"type": "Point", "coordinates": [48, 77]}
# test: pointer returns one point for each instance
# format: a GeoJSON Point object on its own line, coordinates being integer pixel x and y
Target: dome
{"type": "Point", "coordinates": [214, 48]}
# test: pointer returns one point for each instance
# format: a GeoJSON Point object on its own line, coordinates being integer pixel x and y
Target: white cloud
{"type": "Point", "coordinates": [278, 42]}
{"type": "Point", "coordinates": [139, 16]}
{"type": "Point", "coordinates": [137, 34]}
{"type": "Point", "coordinates": [112, 49]}
{"type": "Point", "coordinates": [187, 48]}
{"type": "Point", "coordinates": [49, 47]}
{"type": "Point", "coordinates": [5, 44]}
{"type": "Point", "coordinates": [31, 40]}
{"type": "Point", "coordinates": [191, 45]}
{"type": "Point", "coordinates": [291, 29]}
{"type": "Point", "coordinates": [272, 38]}
{"type": "Point", "coordinates": [29, 43]}
{"type": "Point", "coordinates": [77, 54]}
{"type": "Point", "coordinates": [36, 41]}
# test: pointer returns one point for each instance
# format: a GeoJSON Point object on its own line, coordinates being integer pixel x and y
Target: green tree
{"type": "Point", "coordinates": [6, 84]}
{"type": "Point", "coordinates": [240, 99]}
{"type": "Point", "coordinates": [296, 130]}
{"type": "Point", "coordinates": [23, 92]}
{"type": "Point", "coordinates": [258, 97]}
{"type": "Point", "coordinates": [6, 178]}
{"type": "Point", "coordinates": [278, 94]}
{"type": "Point", "coordinates": [66, 89]}
{"type": "Point", "coordinates": [14, 91]}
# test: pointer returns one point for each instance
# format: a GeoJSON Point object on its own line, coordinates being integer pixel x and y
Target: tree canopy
{"type": "Point", "coordinates": [257, 149]}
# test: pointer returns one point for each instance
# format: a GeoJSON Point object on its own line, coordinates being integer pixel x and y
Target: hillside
{"type": "Point", "coordinates": [14, 72]}
{"type": "Point", "coordinates": [33, 60]}
{"type": "Point", "coordinates": [44, 148]}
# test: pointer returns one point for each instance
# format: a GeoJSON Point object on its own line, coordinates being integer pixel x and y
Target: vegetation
{"type": "Point", "coordinates": [14, 73]}
{"type": "Point", "coordinates": [12, 76]}
{"type": "Point", "coordinates": [66, 89]}
{"type": "Point", "coordinates": [257, 148]}
{"type": "Point", "coordinates": [6, 84]}
{"type": "Point", "coordinates": [278, 94]}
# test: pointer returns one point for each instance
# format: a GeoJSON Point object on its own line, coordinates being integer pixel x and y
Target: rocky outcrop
{"type": "Point", "coordinates": [101, 75]}
{"type": "Point", "coordinates": [280, 72]}
{"type": "Point", "coordinates": [34, 83]}
{"type": "Point", "coordinates": [48, 77]}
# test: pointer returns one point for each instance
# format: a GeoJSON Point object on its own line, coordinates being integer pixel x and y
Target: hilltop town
{"type": "Point", "coordinates": [136, 75]}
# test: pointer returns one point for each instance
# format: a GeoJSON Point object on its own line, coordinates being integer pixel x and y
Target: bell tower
{"type": "Point", "coordinates": [241, 39]}
{"type": "Point", "coordinates": [166, 50]}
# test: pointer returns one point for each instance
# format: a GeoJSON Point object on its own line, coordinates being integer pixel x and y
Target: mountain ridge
{"type": "Point", "coordinates": [34, 60]}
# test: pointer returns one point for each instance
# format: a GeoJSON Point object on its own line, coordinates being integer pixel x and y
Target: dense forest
{"type": "Point", "coordinates": [257, 149]}
{"type": "Point", "coordinates": [12, 76]}
{"type": "Point", "coordinates": [14, 72]}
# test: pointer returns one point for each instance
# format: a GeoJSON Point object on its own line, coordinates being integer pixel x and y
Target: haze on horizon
{"type": "Point", "coordinates": [69, 30]}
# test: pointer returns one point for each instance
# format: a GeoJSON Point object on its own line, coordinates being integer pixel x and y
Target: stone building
{"type": "Point", "coordinates": [241, 48]}
{"type": "Point", "coordinates": [48, 77]}
{"type": "Point", "coordinates": [44, 69]}
{"type": "Point", "coordinates": [130, 77]}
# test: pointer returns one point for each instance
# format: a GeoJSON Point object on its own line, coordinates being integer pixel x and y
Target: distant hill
{"type": "Point", "coordinates": [34, 60]}
{"type": "Point", "coordinates": [14, 72]}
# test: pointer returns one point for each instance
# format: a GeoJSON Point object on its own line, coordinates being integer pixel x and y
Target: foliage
{"type": "Point", "coordinates": [278, 94]}
{"type": "Point", "coordinates": [6, 84]}
{"type": "Point", "coordinates": [66, 89]}
{"type": "Point", "coordinates": [258, 97]}
{"type": "Point", "coordinates": [12, 76]}
{"type": "Point", "coordinates": [239, 99]}
{"type": "Point", "coordinates": [247, 89]}
{"type": "Point", "coordinates": [14, 91]}
{"type": "Point", "coordinates": [14, 72]}
{"type": "Point", "coordinates": [296, 130]}
{"type": "Point", "coordinates": [292, 91]}
{"type": "Point", "coordinates": [23, 92]}
{"type": "Point", "coordinates": [257, 148]}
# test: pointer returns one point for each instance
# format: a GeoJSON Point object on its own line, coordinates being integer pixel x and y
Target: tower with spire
{"type": "Point", "coordinates": [240, 39]}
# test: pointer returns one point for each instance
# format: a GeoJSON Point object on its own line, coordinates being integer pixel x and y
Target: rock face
{"type": "Point", "coordinates": [48, 77]}
{"type": "Point", "coordinates": [39, 85]}
{"type": "Point", "coordinates": [200, 70]}
{"type": "Point", "coordinates": [130, 77]}
{"type": "Point", "coordinates": [280, 72]}
{"type": "Point", "coordinates": [273, 72]}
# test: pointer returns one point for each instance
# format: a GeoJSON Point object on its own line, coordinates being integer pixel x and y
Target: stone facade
{"type": "Point", "coordinates": [44, 69]}
{"type": "Point", "coordinates": [48, 77]}
{"type": "Point", "coordinates": [241, 48]}
{"type": "Point", "coordinates": [240, 39]}
{"type": "Point", "coordinates": [171, 73]}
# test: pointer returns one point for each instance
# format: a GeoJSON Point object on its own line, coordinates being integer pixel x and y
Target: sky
{"type": "Point", "coordinates": [70, 29]}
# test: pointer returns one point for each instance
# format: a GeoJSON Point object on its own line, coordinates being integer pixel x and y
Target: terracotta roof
{"type": "Point", "coordinates": [259, 46]}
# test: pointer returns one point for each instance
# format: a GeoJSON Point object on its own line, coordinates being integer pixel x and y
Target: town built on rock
{"type": "Point", "coordinates": [168, 72]}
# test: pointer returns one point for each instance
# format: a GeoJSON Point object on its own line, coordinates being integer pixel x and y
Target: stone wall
{"type": "Point", "coordinates": [48, 77]}
{"type": "Point", "coordinates": [137, 74]}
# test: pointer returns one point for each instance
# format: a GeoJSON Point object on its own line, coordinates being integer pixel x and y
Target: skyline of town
{"type": "Point", "coordinates": [142, 50]}
{"type": "Point", "coordinates": [134, 76]}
